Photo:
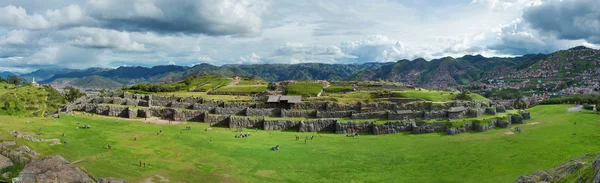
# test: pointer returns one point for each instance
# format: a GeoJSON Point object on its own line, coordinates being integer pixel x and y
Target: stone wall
{"type": "Point", "coordinates": [422, 127]}
{"type": "Point", "coordinates": [102, 110]}
{"type": "Point", "coordinates": [526, 115]}
{"type": "Point", "coordinates": [341, 107]}
{"type": "Point", "coordinates": [310, 106]}
{"type": "Point", "coordinates": [392, 127]}
{"type": "Point", "coordinates": [434, 114]}
{"type": "Point", "coordinates": [144, 113]}
{"type": "Point", "coordinates": [317, 125]}
{"type": "Point", "coordinates": [163, 113]}
{"type": "Point", "coordinates": [334, 114]}
{"type": "Point", "coordinates": [484, 125]}
{"type": "Point", "coordinates": [118, 111]}
{"type": "Point", "coordinates": [462, 129]}
{"type": "Point", "coordinates": [490, 110]}
{"type": "Point", "coordinates": [205, 106]}
{"type": "Point", "coordinates": [182, 105]}
{"type": "Point", "coordinates": [351, 127]}
{"type": "Point", "coordinates": [188, 115]}
{"type": "Point", "coordinates": [504, 122]}
{"type": "Point", "coordinates": [263, 112]}
{"type": "Point", "coordinates": [217, 120]}
{"type": "Point", "coordinates": [396, 116]}
{"type": "Point", "coordinates": [281, 125]}
{"type": "Point", "coordinates": [298, 114]}
{"type": "Point", "coordinates": [500, 109]}
{"type": "Point", "coordinates": [132, 113]}
{"type": "Point", "coordinates": [370, 115]}
{"type": "Point", "coordinates": [245, 122]}
{"type": "Point", "coordinates": [517, 119]}
{"type": "Point", "coordinates": [456, 115]}
{"type": "Point", "coordinates": [231, 111]}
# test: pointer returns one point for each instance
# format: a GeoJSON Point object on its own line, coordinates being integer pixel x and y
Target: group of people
{"type": "Point", "coordinates": [276, 148]}
{"type": "Point", "coordinates": [143, 164]}
{"type": "Point", "coordinates": [354, 134]}
{"type": "Point", "coordinates": [188, 128]}
{"type": "Point", "coordinates": [306, 138]}
{"type": "Point", "coordinates": [243, 135]}
{"type": "Point", "coordinates": [518, 129]}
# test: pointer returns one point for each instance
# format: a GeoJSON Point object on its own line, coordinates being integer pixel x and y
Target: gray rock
{"type": "Point", "coordinates": [53, 169]}
{"type": "Point", "coordinates": [5, 162]}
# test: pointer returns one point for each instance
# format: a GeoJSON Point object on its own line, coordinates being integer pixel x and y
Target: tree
{"type": "Point", "coordinates": [2, 80]}
{"type": "Point", "coordinates": [14, 80]}
{"type": "Point", "coordinates": [72, 94]}
{"type": "Point", "coordinates": [103, 91]}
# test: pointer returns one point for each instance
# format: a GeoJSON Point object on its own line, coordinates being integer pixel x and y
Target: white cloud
{"type": "Point", "coordinates": [250, 59]}
{"type": "Point", "coordinates": [17, 17]}
{"type": "Point", "coordinates": [102, 38]}
{"type": "Point", "coordinates": [204, 59]}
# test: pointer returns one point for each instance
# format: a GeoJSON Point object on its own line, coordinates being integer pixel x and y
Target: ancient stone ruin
{"type": "Point", "coordinates": [413, 116]}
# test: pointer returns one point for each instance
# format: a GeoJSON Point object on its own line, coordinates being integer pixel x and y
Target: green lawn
{"type": "Point", "coordinates": [304, 89]}
{"type": "Point", "coordinates": [189, 156]}
{"type": "Point", "coordinates": [243, 89]}
{"type": "Point", "coordinates": [435, 96]}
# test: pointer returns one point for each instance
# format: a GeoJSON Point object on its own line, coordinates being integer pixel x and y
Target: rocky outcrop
{"type": "Point", "coordinates": [52, 169]}
{"type": "Point", "coordinates": [5, 162]}
{"type": "Point", "coordinates": [490, 110]}
{"type": "Point", "coordinates": [575, 170]}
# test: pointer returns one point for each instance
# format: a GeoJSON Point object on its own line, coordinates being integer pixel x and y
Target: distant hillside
{"type": "Point", "coordinates": [6, 74]}
{"type": "Point", "coordinates": [89, 82]}
{"type": "Point", "coordinates": [43, 74]}
{"type": "Point", "coordinates": [437, 73]}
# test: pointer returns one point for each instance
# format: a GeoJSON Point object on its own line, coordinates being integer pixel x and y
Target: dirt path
{"type": "Point", "coordinates": [533, 123]}
{"type": "Point", "coordinates": [157, 176]}
{"type": "Point", "coordinates": [235, 81]}
{"type": "Point", "coordinates": [575, 109]}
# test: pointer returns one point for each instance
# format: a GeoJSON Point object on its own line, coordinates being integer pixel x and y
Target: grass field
{"type": "Point", "coordinates": [189, 156]}
{"type": "Point", "coordinates": [304, 89]}
{"type": "Point", "coordinates": [429, 95]}
{"type": "Point", "coordinates": [243, 89]}
{"type": "Point", "coordinates": [435, 96]}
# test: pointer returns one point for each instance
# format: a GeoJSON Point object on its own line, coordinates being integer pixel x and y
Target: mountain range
{"type": "Point", "coordinates": [441, 72]}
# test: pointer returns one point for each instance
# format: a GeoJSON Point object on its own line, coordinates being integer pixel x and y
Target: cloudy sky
{"type": "Point", "coordinates": [110, 33]}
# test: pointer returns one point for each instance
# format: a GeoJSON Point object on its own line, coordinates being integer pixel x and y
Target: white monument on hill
{"type": "Point", "coordinates": [33, 83]}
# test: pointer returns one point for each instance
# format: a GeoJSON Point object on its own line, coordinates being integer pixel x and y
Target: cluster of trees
{"type": "Point", "coordinates": [156, 88]}
{"type": "Point", "coordinates": [11, 80]}
{"type": "Point", "coordinates": [574, 99]}
{"type": "Point", "coordinates": [465, 95]}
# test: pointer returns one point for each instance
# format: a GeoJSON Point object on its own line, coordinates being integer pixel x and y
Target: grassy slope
{"type": "Point", "coordinates": [243, 89]}
{"type": "Point", "coordinates": [206, 96]}
{"type": "Point", "coordinates": [304, 89]}
{"type": "Point", "coordinates": [491, 156]}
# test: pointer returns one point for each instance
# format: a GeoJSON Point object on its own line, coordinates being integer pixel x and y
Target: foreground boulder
{"type": "Point", "coordinates": [5, 162]}
{"type": "Point", "coordinates": [52, 169]}
{"type": "Point", "coordinates": [574, 169]}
